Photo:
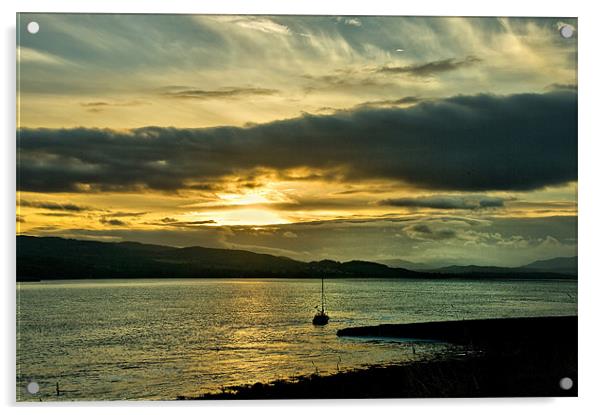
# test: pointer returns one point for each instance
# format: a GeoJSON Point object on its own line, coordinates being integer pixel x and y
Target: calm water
{"type": "Point", "coordinates": [157, 339]}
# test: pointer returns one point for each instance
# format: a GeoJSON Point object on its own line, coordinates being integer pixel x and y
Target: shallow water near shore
{"type": "Point", "coordinates": [157, 339]}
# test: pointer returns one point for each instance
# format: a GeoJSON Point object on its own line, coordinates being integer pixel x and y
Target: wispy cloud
{"type": "Point", "coordinates": [113, 222]}
{"type": "Point", "coordinates": [222, 93]}
{"type": "Point", "coordinates": [431, 68]}
{"type": "Point", "coordinates": [25, 54]}
{"type": "Point", "coordinates": [411, 100]}
{"type": "Point", "coordinates": [344, 82]}
{"type": "Point", "coordinates": [125, 214]}
{"type": "Point", "coordinates": [213, 53]}
{"type": "Point", "coordinates": [99, 106]}
{"type": "Point", "coordinates": [256, 23]}
{"type": "Point", "coordinates": [167, 221]}
{"type": "Point", "coordinates": [349, 21]}
{"type": "Point", "coordinates": [470, 202]}
{"type": "Point", "coordinates": [561, 87]}
{"type": "Point", "coordinates": [54, 206]}
{"type": "Point", "coordinates": [424, 232]}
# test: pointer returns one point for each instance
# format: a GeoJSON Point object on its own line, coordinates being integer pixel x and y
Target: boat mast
{"type": "Point", "coordinates": [322, 294]}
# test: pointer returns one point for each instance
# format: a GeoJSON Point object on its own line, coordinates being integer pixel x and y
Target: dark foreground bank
{"type": "Point", "coordinates": [504, 357]}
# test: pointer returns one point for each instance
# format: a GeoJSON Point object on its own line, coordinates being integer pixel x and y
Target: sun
{"type": "Point", "coordinates": [240, 217]}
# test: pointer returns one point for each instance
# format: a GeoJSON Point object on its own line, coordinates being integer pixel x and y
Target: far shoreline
{"type": "Point", "coordinates": [56, 258]}
{"type": "Point", "coordinates": [436, 277]}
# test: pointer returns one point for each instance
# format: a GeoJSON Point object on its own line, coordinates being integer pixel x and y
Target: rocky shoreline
{"type": "Point", "coordinates": [522, 357]}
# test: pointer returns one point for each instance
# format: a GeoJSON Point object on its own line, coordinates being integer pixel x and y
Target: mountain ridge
{"type": "Point", "coordinates": [560, 265]}
{"type": "Point", "coordinates": [565, 265]}
{"type": "Point", "coordinates": [60, 258]}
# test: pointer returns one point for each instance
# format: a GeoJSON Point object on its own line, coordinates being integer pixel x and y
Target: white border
{"type": "Point", "coordinates": [336, 7]}
{"type": "Point", "coordinates": [590, 285]}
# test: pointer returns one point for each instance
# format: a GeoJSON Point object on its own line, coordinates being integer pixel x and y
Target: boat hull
{"type": "Point", "coordinates": [320, 320]}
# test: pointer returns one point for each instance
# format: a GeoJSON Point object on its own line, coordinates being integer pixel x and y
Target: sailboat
{"type": "Point", "coordinates": [321, 318]}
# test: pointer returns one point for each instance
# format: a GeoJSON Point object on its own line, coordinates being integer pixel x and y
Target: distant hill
{"type": "Point", "coordinates": [555, 266]}
{"type": "Point", "coordinates": [402, 263]}
{"type": "Point", "coordinates": [471, 269]}
{"type": "Point", "coordinates": [58, 258]}
{"type": "Point", "coordinates": [559, 264]}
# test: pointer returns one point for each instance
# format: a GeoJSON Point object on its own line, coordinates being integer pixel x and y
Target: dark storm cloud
{"type": "Point", "coordinates": [224, 93]}
{"type": "Point", "coordinates": [70, 207]}
{"type": "Point", "coordinates": [431, 68]}
{"type": "Point", "coordinates": [446, 202]}
{"type": "Point", "coordinates": [464, 143]}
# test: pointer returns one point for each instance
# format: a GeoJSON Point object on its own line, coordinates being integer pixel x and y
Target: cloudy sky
{"type": "Point", "coordinates": [433, 140]}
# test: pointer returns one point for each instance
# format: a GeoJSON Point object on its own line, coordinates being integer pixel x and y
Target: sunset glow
{"type": "Point", "coordinates": [302, 135]}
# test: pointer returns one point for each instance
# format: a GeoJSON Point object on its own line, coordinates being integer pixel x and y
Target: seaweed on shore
{"type": "Point", "coordinates": [525, 369]}
{"type": "Point", "coordinates": [470, 376]}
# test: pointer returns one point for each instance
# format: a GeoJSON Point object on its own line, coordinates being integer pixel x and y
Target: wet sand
{"type": "Point", "coordinates": [502, 358]}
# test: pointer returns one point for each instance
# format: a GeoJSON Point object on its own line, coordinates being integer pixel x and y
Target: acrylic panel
{"type": "Point", "coordinates": [275, 207]}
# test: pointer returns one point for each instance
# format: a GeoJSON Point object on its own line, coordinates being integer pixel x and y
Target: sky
{"type": "Point", "coordinates": [433, 140]}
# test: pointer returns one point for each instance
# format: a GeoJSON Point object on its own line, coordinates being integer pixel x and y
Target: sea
{"type": "Point", "coordinates": [158, 339]}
